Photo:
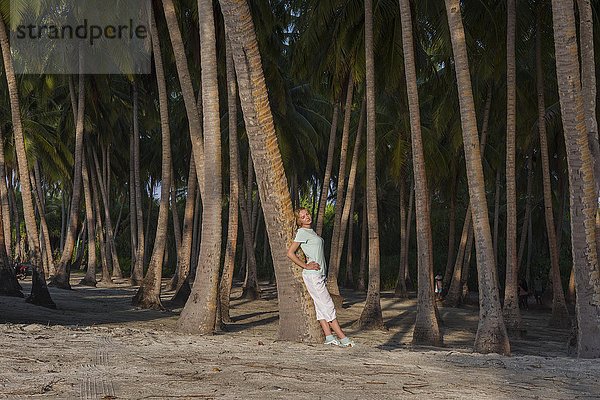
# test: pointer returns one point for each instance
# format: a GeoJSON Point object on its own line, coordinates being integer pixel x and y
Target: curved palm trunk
{"type": "Point", "coordinates": [371, 317]}
{"type": "Point", "coordinates": [512, 316]}
{"type": "Point", "coordinates": [337, 241]}
{"type": "Point", "coordinates": [90, 275]}
{"type": "Point", "coordinates": [187, 91]}
{"type": "Point", "coordinates": [350, 192]}
{"type": "Point", "coordinates": [43, 220]}
{"type": "Point", "coordinates": [148, 294]}
{"type": "Point", "coordinates": [427, 330]}
{"type": "Point", "coordinates": [328, 167]}
{"type": "Point", "coordinates": [137, 273]}
{"type": "Point", "coordinates": [491, 333]}
{"type": "Point", "coordinates": [63, 270]}
{"type": "Point", "coordinates": [297, 318]}
{"type": "Point", "coordinates": [583, 196]}
{"type": "Point", "coordinates": [39, 291]}
{"type": "Point", "coordinates": [234, 190]}
{"type": "Point", "coordinates": [200, 311]}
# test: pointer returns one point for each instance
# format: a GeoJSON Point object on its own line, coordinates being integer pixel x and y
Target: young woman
{"type": "Point", "coordinates": [314, 277]}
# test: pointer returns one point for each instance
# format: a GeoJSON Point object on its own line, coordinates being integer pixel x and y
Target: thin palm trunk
{"type": "Point", "coordinates": [491, 333]}
{"type": "Point", "coordinates": [337, 242]}
{"type": "Point", "coordinates": [400, 289]}
{"type": "Point", "coordinates": [137, 272]}
{"type": "Point", "coordinates": [148, 294]}
{"type": "Point", "coordinates": [199, 313]}
{"type": "Point", "coordinates": [497, 212]}
{"type": "Point", "coordinates": [527, 216]}
{"type": "Point", "coordinates": [328, 167]}
{"type": "Point", "coordinates": [90, 276]}
{"type": "Point", "coordinates": [451, 234]}
{"type": "Point", "coordinates": [39, 291]}
{"type": "Point", "coordinates": [61, 279]}
{"type": "Point", "coordinates": [297, 317]}
{"type": "Point", "coordinates": [427, 330]}
{"type": "Point", "coordinates": [234, 190]}
{"type": "Point", "coordinates": [371, 317]}
{"type": "Point", "coordinates": [360, 285]}
{"type": "Point", "coordinates": [105, 280]}
{"type": "Point", "coordinates": [43, 221]}
{"type": "Point", "coordinates": [409, 218]}
{"type": "Point", "coordinates": [349, 279]}
{"type": "Point", "coordinates": [4, 201]}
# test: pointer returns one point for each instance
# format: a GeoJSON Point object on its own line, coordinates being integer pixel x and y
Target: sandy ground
{"type": "Point", "coordinates": [97, 346]}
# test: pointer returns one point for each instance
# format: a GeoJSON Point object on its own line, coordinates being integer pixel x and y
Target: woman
{"type": "Point", "coordinates": [314, 277]}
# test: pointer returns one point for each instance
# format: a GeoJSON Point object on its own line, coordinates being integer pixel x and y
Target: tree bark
{"type": "Point", "coordinates": [297, 320]}
{"type": "Point", "coordinates": [328, 167]}
{"type": "Point", "coordinates": [371, 317]}
{"type": "Point", "coordinates": [491, 333]}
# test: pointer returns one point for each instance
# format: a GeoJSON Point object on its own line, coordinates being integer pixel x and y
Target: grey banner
{"type": "Point", "coordinates": [81, 36]}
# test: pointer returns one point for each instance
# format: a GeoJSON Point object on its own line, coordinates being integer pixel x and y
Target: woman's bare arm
{"type": "Point", "coordinates": [291, 253]}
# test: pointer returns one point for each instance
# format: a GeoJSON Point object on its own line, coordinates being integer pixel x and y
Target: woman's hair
{"type": "Point", "coordinates": [297, 215]}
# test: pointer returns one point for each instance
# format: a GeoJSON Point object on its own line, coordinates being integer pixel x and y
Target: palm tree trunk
{"type": "Point", "coordinates": [297, 317]}
{"type": "Point", "coordinates": [348, 201]}
{"type": "Point", "coordinates": [200, 311]}
{"type": "Point", "coordinates": [43, 224]}
{"type": "Point", "coordinates": [137, 272]}
{"type": "Point", "coordinates": [497, 212]}
{"type": "Point", "coordinates": [337, 241]}
{"type": "Point", "coordinates": [491, 333]}
{"type": "Point", "coordinates": [63, 270]}
{"type": "Point", "coordinates": [39, 291]}
{"type": "Point", "coordinates": [148, 294]}
{"type": "Point", "coordinates": [527, 215]}
{"type": "Point", "coordinates": [328, 167]}
{"type": "Point", "coordinates": [9, 285]}
{"type": "Point", "coordinates": [451, 234]}
{"type": "Point", "coordinates": [90, 276]}
{"type": "Point", "coordinates": [234, 190]}
{"type": "Point", "coordinates": [132, 205]}
{"type": "Point", "coordinates": [427, 330]}
{"type": "Point", "coordinates": [512, 316]}
{"type": "Point", "coordinates": [560, 314]}
{"type": "Point", "coordinates": [583, 196]}
{"type": "Point", "coordinates": [349, 279]}
{"type": "Point", "coordinates": [43, 221]}
{"type": "Point", "coordinates": [371, 317]}
{"type": "Point", "coordinates": [360, 286]}
{"type": "Point", "coordinates": [400, 289]}
{"type": "Point", "coordinates": [187, 91]}
{"type": "Point", "coordinates": [409, 218]}
{"type": "Point", "coordinates": [4, 201]}
{"type": "Point", "coordinates": [250, 290]}
{"type": "Point", "coordinates": [105, 280]}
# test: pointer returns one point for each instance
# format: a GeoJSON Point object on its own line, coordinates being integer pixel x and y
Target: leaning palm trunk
{"type": "Point", "coordinates": [297, 318]}
{"type": "Point", "coordinates": [512, 316]}
{"type": "Point", "coordinates": [328, 166]}
{"type": "Point", "coordinates": [148, 294]}
{"type": "Point", "coordinates": [427, 330]}
{"type": "Point", "coordinates": [337, 244]}
{"type": "Point", "coordinates": [491, 333]}
{"type": "Point", "coordinates": [43, 221]}
{"type": "Point", "coordinates": [199, 313]}
{"type": "Point", "coordinates": [63, 270]}
{"type": "Point", "coordinates": [371, 317]}
{"type": "Point", "coordinates": [583, 196]}
{"type": "Point", "coordinates": [234, 191]}
{"type": "Point", "coordinates": [4, 200]}
{"type": "Point", "coordinates": [39, 291]}
{"type": "Point", "coordinates": [105, 280]}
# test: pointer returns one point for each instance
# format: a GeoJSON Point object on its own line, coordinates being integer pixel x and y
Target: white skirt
{"type": "Point", "coordinates": [315, 284]}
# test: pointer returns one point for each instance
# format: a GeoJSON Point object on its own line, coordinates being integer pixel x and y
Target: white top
{"type": "Point", "coordinates": [312, 246]}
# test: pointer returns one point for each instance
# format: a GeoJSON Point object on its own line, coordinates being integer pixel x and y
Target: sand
{"type": "Point", "coordinates": [97, 346]}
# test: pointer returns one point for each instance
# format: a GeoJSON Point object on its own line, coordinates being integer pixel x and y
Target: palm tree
{"type": "Point", "coordinates": [371, 317]}
{"type": "Point", "coordinates": [200, 311]}
{"type": "Point", "coordinates": [512, 316]}
{"type": "Point", "coordinates": [328, 166]}
{"type": "Point", "coordinates": [583, 198]}
{"type": "Point", "coordinates": [491, 332]}
{"type": "Point", "coordinates": [148, 294]}
{"type": "Point", "coordinates": [427, 330]}
{"type": "Point", "coordinates": [39, 291]}
{"type": "Point", "coordinates": [297, 319]}
{"type": "Point", "coordinates": [90, 276]}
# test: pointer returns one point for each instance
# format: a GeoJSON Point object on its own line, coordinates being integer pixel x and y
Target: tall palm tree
{"type": "Point", "coordinates": [200, 311]}
{"type": "Point", "coordinates": [148, 294]}
{"type": "Point", "coordinates": [297, 319]}
{"type": "Point", "coordinates": [90, 276]}
{"type": "Point", "coordinates": [328, 166]}
{"type": "Point", "coordinates": [583, 198]}
{"type": "Point", "coordinates": [491, 333]}
{"type": "Point", "coordinates": [427, 329]}
{"type": "Point", "coordinates": [39, 291]}
{"type": "Point", "coordinates": [371, 317]}
{"type": "Point", "coordinates": [512, 316]}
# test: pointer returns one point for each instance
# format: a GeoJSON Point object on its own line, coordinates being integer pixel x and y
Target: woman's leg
{"type": "Point", "coordinates": [325, 326]}
{"type": "Point", "coordinates": [336, 328]}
